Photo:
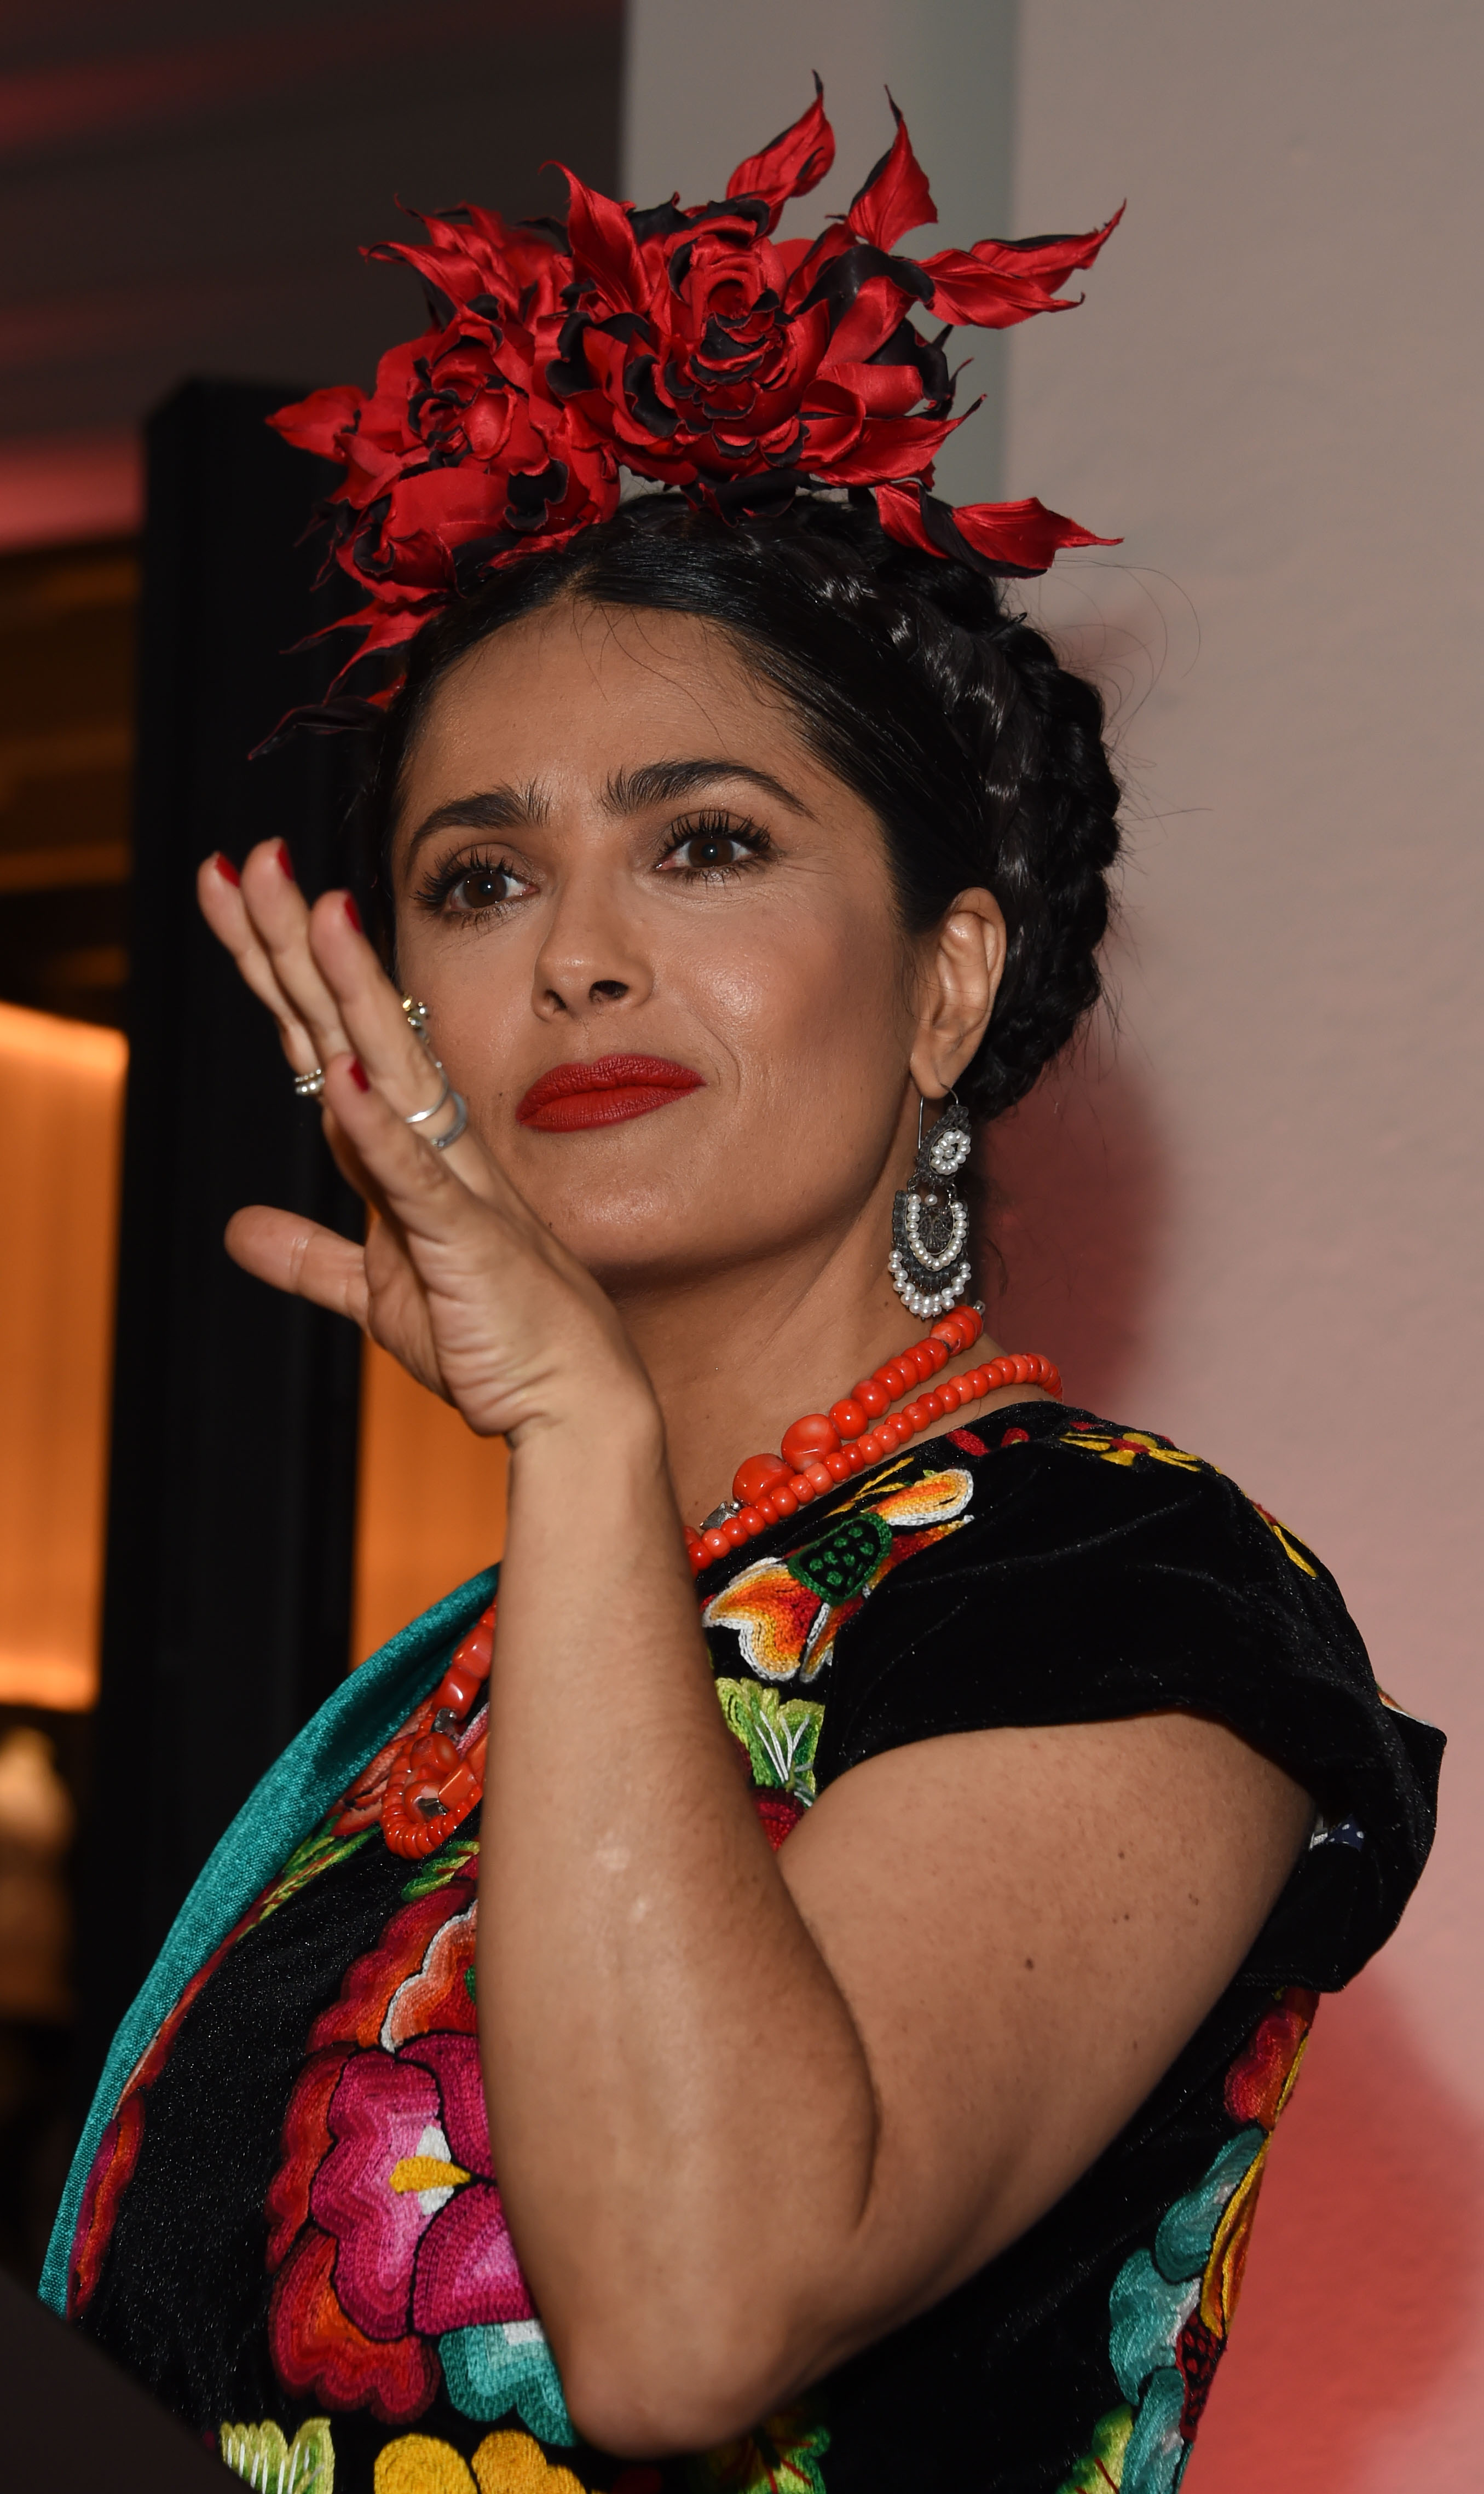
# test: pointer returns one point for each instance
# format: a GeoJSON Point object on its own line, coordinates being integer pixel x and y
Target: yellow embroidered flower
{"type": "Point", "coordinates": [1127, 1446]}
{"type": "Point", "coordinates": [1221, 2283]}
{"type": "Point", "coordinates": [505, 2463]}
{"type": "Point", "coordinates": [1286, 1538]}
{"type": "Point", "coordinates": [260, 2454]}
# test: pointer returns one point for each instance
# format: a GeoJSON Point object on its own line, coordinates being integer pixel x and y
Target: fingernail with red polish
{"type": "Point", "coordinates": [225, 869]}
{"type": "Point", "coordinates": [352, 913]}
{"type": "Point", "coordinates": [285, 861]}
{"type": "Point", "coordinates": [359, 1076]}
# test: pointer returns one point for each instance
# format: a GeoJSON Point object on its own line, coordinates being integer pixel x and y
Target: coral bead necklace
{"type": "Point", "coordinates": [425, 1782]}
{"type": "Point", "coordinates": [826, 1447]}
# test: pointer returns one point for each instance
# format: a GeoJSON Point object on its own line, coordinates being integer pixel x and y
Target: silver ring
{"type": "Point", "coordinates": [420, 1117]}
{"type": "Point", "coordinates": [441, 1143]}
{"type": "Point", "coordinates": [309, 1086]}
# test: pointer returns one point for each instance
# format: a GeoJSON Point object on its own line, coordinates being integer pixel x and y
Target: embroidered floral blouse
{"type": "Point", "coordinates": [290, 2228]}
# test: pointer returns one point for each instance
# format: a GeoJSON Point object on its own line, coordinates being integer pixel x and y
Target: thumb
{"type": "Point", "coordinates": [302, 1256]}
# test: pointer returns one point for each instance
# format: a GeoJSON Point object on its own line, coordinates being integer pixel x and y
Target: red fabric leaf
{"type": "Point", "coordinates": [1024, 534]}
{"type": "Point", "coordinates": [603, 244]}
{"type": "Point", "coordinates": [1050, 258]}
{"type": "Point", "coordinates": [873, 317]}
{"type": "Point", "coordinates": [892, 447]}
{"type": "Point", "coordinates": [797, 158]}
{"type": "Point", "coordinates": [895, 197]}
{"type": "Point", "coordinates": [317, 422]}
{"type": "Point", "coordinates": [997, 283]}
{"type": "Point", "coordinates": [883, 389]}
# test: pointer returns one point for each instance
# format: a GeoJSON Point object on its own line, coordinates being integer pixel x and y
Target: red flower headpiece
{"type": "Point", "coordinates": [687, 345]}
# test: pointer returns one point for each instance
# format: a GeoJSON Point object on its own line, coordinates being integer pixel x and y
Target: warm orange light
{"type": "Point", "coordinates": [430, 1508]}
{"type": "Point", "coordinates": [61, 1102]}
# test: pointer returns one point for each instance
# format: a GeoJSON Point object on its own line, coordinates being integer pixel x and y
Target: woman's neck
{"type": "Point", "coordinates": [735, 1356]}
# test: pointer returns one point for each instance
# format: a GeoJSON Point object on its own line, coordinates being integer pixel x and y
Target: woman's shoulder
{"type": "Point", "coordinates": [1028, 1516]}
{"type": "Point", "coordinates": [1049, 1566]}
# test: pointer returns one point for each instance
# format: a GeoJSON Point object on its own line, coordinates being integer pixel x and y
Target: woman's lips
{"type": "Point", "coordinates": [604, 1093]}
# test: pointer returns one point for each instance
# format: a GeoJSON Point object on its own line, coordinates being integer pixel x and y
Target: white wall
{"type": "Point", "coordinates": [710, 81]}
{"type": "Point", "coordinates": [1253, 1220]}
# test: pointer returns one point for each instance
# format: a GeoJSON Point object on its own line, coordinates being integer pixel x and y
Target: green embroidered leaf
{"type": "Point", "coordinates": [843, 1562]}
{"type": "Point", "coordinates": [317, 1852]}
{"type": "Point", "coordinates": [260, 2454]}
{"type": "Point", "coordinates": [780, 2458]}
{"type": "Point", "coordinates": [781, 1734]}
{"type": "Point", "coordinates": [458, 1859]}
{"type": "Point", "coordinates": [1101, 2466]}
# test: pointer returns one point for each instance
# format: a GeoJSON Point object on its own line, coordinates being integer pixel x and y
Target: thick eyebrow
{"type": "Point", "coordinates": [628, 792]}
{"type": "Point", "coordinates": [491, 809]}
{"type": "Point", "coordinates": [664, 784]}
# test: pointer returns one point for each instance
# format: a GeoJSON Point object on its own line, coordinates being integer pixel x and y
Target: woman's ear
{"type": "Point", "coordinates": [963, 964]}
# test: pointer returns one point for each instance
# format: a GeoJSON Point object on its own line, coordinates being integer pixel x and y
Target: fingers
{"type": "Point", "coordinates": [422, 1189]}
{"type": "Point", "coordinates": [399, 1067]}
{"type": "Point", "coordinates": [331, 998]}
{"type": "Point", "coordinates": [278, 917]}
{"type": "Point", "coordinates": [296, 1254]}
{"type": "Point", "coordinates": [219, 890]}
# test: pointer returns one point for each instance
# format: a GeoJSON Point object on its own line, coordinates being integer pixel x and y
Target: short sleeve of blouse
{"type": "Point", "coordinates": [1100, 1572]}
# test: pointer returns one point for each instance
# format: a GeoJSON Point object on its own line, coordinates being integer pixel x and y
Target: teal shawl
{"type": "Point", "coordinates": [289, 1804]}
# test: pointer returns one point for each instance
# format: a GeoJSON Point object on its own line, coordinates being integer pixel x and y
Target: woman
{"type": "Point", "coordinates": [877, 2065]}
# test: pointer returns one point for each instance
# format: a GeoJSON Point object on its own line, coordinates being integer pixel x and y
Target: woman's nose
{"type": "Point", "coordinates": [589, 961]}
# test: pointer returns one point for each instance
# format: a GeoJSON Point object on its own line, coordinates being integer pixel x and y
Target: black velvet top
{"type": "Point", "coordinates": [292, 2231]}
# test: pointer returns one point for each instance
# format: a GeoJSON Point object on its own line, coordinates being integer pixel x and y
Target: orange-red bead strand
{"type": "Point", "coordinates": [823, 1448]}
{"type": "Point", "coordinates": [420, 1787]}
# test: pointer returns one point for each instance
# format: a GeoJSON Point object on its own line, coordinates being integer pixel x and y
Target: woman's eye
{"type": "Point", "coordinates": [710, 852]}
{"type": "Point", "coordinates": [484, 887]}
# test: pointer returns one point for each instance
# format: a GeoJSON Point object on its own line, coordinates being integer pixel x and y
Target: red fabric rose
{"type": "Point", "coordinates": [685, 345]}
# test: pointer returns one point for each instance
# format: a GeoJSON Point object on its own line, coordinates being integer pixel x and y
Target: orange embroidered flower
{"type": "Point", "coordinates": [787, 1613]}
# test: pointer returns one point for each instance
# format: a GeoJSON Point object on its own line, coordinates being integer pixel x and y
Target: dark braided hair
{"type": "Point", "coordinates": [981, 757]}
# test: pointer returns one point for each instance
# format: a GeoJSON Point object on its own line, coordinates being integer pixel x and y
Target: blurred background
{"type": "Point", "coordinates": [1247, 1214]}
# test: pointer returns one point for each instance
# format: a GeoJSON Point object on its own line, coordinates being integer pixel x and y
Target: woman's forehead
{"type": "Point", "coordinates": [598, 695]}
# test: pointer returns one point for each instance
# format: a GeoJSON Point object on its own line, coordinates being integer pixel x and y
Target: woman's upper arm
{"type": "Point", "coordinates": [1027, 1925]}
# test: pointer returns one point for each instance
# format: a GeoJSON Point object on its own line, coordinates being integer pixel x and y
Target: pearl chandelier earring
{"type": "Point", "coordinates": [930, 1220]}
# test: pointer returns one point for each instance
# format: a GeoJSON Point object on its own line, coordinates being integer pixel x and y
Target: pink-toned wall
{"type": "Point", "coordinates": [1272, 1202]}
{"type": "Point", "coordinates": [1254, 1218]}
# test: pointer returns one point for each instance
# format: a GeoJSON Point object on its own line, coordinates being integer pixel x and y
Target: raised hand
{"type": "Point", "coordinates": [457, 1278]}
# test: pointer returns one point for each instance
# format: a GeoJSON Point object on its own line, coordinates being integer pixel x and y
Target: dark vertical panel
{"type": "Point", "coordinates": [227, 1608]}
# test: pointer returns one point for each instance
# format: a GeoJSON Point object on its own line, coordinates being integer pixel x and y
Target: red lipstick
{"type": "Point", "coordinates": [603, 1093]}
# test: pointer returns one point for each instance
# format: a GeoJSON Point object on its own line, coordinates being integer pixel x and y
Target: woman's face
{"type": "Point", "coordinates": [612, 844]}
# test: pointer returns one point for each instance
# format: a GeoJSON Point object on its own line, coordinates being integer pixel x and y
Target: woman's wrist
{"type": "Point", "coordinates": [607, 1428]}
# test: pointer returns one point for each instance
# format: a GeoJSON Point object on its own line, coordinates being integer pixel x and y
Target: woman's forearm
{"type": "Point", "coordinates": [659, 2033]}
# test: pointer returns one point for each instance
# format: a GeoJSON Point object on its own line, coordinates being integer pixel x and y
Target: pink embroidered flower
{"type": "Point", "coordinates": [395, 2267]}
{"type": "Point", "coordinates": [408, 2194]}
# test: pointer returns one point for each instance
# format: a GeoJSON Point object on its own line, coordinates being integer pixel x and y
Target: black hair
{"type": "Point", "coordinates": [912, 679]}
